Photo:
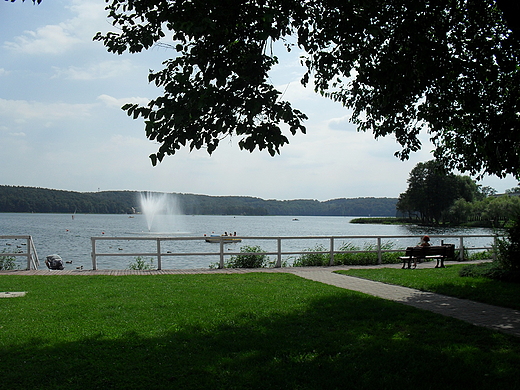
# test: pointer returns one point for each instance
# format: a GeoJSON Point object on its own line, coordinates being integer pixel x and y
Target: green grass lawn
{"type": "Point", "coordinates": [448, 282]}
{"type": "Point", "coordinates": [248, 331]}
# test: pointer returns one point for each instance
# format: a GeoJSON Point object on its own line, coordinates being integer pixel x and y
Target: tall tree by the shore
{"type": "Point", "coordinates": [432, 192]}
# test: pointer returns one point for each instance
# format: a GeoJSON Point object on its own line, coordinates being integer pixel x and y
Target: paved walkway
{"type": "Point", "coordinates": [480, 314]}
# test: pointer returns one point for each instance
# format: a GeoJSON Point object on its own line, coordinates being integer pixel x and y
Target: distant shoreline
{"type": "Point", "coordinates": [15, 199]}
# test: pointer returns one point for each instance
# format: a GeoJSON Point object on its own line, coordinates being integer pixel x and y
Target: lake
{"type": "Point", "coordinates": [69, 235]}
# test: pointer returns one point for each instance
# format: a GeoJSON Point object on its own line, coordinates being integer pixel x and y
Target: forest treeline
{"type": "Point", "coordinates": [14, 199]}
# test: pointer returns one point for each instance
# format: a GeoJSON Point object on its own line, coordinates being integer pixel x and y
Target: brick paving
{"type": "Point", "coordinates": [480, 314]}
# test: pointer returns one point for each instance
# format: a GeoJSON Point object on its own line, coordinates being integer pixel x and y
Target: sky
{"type": "Point", "coordinates": [62, 127]}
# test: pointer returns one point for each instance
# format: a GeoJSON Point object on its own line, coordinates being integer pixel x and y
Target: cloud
{"type": "Point", "coordinates": [3, 72]}
{"type": "Point", "coordinates": [23, 110]}
{"type": "Point", "coordinates": [342, 123]}
{"type": "Point", "coordinates": [95, 71]}
{"type": "Point", "coordinates": [87, 18]}
{"type": "Point", "coordinates": [88, 10]}
{"type": "Point", "coordinates": [50, 39]}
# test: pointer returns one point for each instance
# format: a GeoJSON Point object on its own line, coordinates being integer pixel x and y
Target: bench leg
{"type": "Point", "coordinates": [409, 261]}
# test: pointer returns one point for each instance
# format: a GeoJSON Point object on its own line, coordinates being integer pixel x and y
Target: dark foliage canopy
{"type": "Point", "coordinates": [448, 67]}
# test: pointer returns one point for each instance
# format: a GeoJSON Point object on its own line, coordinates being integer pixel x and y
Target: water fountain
{"type": "Point", "coordinates": [159, 210]}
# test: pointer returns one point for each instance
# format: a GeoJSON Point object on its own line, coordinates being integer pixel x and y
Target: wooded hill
{"type": "Point", "coordinates": [15, 199]}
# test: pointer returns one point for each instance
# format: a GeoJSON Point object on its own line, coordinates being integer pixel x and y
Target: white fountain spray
{"type": "Point", "coordinates": [154, 204]}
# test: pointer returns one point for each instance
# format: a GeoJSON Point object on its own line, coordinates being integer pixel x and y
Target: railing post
{"type": "Point", "coordinates": [34, 254]}
{"type": "Point", "coordinates": [93, 253]}
{"type": "Point", "coordinates": [159, 257]}
{"type": "Point", "coordinates": [461, 249]}
{"type": "Point", "coordinates": [29, 253]}
{"type": "Point", "coordinates": [331, 261]}
{"type": "Point", "coordinates": [379, 253]}
{"type": "Point", "coordinates": [221, 262]}
{"type": "Point", "coordinates": [279, 258]}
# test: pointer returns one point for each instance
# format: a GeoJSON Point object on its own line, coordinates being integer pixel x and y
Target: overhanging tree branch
{"type": "Point", "coordinates": [448, 67]}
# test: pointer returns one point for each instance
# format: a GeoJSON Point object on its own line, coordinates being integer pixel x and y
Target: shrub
{"type": "Point", "coordinates": [472, 255]}
{"type": "Point", "coordinates": [508, 248]}
{"type": "Point", "coordinates": [367, 255]}
{"type": "Point", "coordinates": [7, 262]}
{"type": "Point", "coordinates": [313, 259]}
{"type": "Point", "coordinates": [491, 270]}
{"type": "Point", "coordinates": [141, 264]}
{"type": "Point", "coordinates": [252, 257]}
{"type": "Point", "coordinates": [482, 255]}
{"type": "Point", "coordinates": [506, 265]}
{"type": "Point", "coordinates": [361, 258]}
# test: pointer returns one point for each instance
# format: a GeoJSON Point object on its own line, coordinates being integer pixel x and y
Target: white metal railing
{"type": "Point", "coordinates": [32, 256]}
{"type": "Point", "coordinates": [159, 253]}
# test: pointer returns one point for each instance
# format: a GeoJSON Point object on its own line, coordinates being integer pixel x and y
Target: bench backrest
{"type": "Point", "coordinates": [447, 250]}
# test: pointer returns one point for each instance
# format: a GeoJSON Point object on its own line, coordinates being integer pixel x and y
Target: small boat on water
{"type": "Point", "coordinates": [225, 238]}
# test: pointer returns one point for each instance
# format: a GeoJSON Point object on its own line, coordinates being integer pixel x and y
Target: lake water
{"type": "Point", "coordinates": [69, 236]}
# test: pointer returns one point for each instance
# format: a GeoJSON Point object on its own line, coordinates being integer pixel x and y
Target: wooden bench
{"type": "Point", "coordinates": [439, 253]}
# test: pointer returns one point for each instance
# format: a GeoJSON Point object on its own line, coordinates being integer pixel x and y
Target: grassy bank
{"type": "Point", "coordinates": [409, 221]}
{"type": "Point", "coordinates": [383, 221]}
{"type": "Point", "coordinates": [250, 331]}
{"type": "Point", "coordinates": [448, 282]}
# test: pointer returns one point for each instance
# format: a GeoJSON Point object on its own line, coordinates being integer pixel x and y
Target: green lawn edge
{"type": "Point", "coordinates": [446, 281]}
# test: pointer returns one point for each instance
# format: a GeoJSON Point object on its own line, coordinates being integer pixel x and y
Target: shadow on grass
{"type": "Point", "coordinates": [482, 290]}
{"type": "Point", "coordinates": [351, 341]}
{"type": "Point", "coordinates": [482, 314]}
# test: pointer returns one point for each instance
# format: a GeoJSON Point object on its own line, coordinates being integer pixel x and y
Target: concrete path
{"type": "Point", "coordinates": [480, 314]}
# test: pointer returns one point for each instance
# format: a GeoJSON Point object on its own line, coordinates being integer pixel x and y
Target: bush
{"type": "Point", "coordinates": [253, 257]}
{"type": "Point", "coordinates": [491, 270]}
{"type": "Point", "coordinates": [7, 262]}
{"type": "Point", "coordinates": [367, 255]}
{"type": "Point", "coordinates": [482, 255]}
{"type": "Point", "coordinates": [141, 264]}
{"type": "Point", "coordinates": [508, 250]}
{"type": "Point", "coordinates": [313, 259]}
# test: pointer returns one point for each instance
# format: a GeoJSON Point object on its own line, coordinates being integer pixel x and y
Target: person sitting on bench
{"type": "Point", "coordinates": [425, 241]}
